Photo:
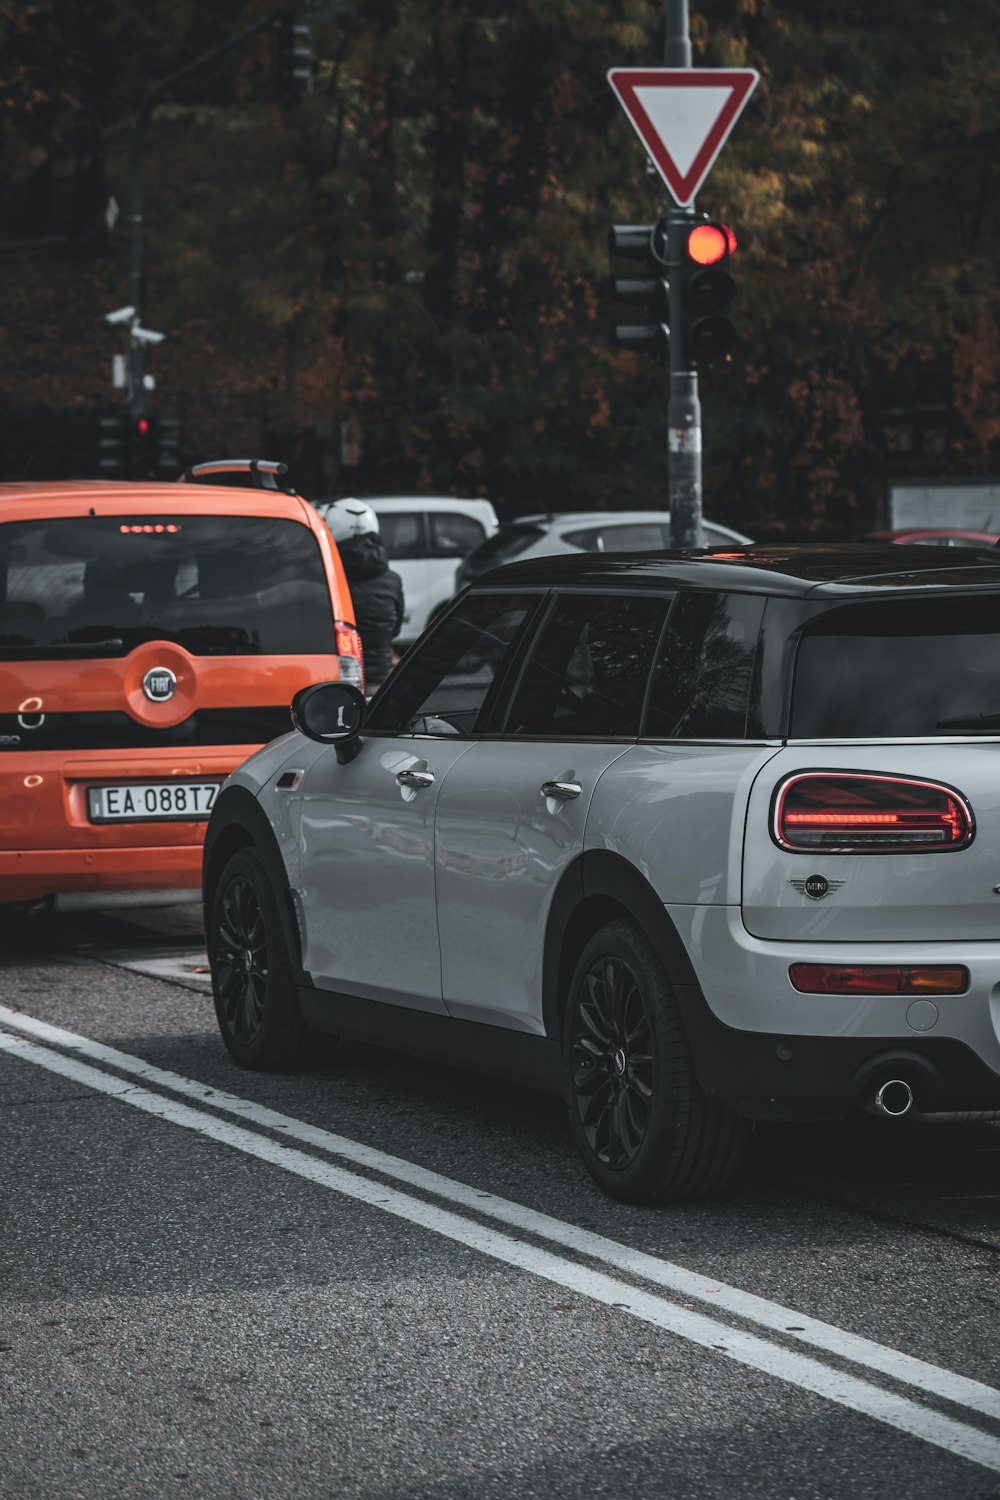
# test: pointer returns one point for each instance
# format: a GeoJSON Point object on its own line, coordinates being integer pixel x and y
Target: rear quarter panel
{"type": "Point", "coordinates": [676, 811]}
{"type": "Point", "coordinates": [935, 896]}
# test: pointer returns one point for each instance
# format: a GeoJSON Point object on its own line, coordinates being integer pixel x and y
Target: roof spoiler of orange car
{"type": "Point", "coordinates": [264, 472]}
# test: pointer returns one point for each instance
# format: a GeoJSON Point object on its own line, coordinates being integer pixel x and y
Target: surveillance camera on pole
{"type": "Point", "coordinates": [146, 335]}
{"type": "Point", "coordinates": [120, 314]}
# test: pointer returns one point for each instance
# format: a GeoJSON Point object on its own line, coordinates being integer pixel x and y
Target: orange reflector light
{"type": "Point", "coordinates": [879, 979]}
{"type": "Point", "coordinates": [708, 243]}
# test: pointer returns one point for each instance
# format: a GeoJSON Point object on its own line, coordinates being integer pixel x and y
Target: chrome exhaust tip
{"type": "Point", "coordinates": [894, 1098]}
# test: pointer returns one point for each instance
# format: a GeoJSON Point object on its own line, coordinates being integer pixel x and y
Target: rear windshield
{"type": "Point", "coordinates": [503, 545]}
{"type": "Point", "coordinates": [216, 585]}
{"type": "Point", "coordinates": [906, 669]}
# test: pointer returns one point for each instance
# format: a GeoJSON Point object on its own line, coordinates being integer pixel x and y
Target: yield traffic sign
{"type": "Point", "coordinates": [683, 117]}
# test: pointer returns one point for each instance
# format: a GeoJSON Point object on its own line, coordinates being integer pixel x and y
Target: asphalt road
{"type": "Point", "coordinates": [382, 1278]}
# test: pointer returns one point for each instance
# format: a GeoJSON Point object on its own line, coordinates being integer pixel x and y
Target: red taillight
{"type": "Point", "coordinates": [879, 979]}
{"type": "Point", "coordinates": [856, 814]}
{"type": "Point", "coordinates": [349, 646]}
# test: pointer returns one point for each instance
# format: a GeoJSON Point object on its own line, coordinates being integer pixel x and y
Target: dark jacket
{"type": "Point", "coordinates": [377, 594]}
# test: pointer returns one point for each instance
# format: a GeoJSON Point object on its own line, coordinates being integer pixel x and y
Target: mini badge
{"type": "Point", "coordinates": [815, 886]}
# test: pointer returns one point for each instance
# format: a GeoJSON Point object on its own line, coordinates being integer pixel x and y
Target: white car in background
{"type": "Point", "coordinates": [426, 537]}
{"type": "Point", "coordinates": [583, 531]}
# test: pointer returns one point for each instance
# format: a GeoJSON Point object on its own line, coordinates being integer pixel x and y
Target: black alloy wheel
{"type": "Point", "coordinates": [241, 960]}
{"type": "Point", "coordinates": [253, 983]}
{"type": "Point", "coordinates": [646, 1131]}
{"type": "Point", "coordinates": [612, 1061]}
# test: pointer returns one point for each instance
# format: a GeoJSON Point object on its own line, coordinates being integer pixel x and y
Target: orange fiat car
{"type": "Point", "coordinates": [152, 635]}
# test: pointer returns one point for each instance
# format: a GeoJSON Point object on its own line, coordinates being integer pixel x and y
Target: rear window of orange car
{"type": "Point", "coordinates": [216, 585]}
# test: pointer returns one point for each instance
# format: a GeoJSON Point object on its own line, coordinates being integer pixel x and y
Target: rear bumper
{"type": "Point", "coordinates": [792, 1077]}
{"type": "Point", "coordinates": [770, 1052]}
{"type": "Point", "coordinates": [32, 875]}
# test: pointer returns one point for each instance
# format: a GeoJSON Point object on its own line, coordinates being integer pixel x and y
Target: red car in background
{"type": "Point", "coordinates": [939, 537]}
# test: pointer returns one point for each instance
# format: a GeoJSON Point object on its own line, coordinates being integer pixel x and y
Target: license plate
{"type": "Point", "coordinates": [137, 802]}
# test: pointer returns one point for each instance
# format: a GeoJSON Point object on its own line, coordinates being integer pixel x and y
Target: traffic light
{"type": "Point", "coordinates": [144, 461]}
{"type": "Point", "coordinates": [708, 290]}
{"type": "Point", "coordinates": [168, 448]}
{"type": "Point", "coordinates": [648, 330]}
{"type": "Point", "coordinates": [152, 445]}
{"type": "Point", "coordinates": [295, 55]}
{"type": "Point", "coordinates": [113, 433]}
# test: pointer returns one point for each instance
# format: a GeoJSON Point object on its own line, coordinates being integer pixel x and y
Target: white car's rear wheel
{"type": "Point", "coordinates": [644, 1128]}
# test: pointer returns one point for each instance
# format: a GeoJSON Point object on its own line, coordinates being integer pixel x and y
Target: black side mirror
{"type": "Point", "coordinates": [332, 713]}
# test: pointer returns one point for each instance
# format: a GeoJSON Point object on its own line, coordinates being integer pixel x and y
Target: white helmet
{"type": "Point", "coordinates": [347, 518]}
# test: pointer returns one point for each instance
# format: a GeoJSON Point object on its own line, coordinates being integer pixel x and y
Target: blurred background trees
{"type": "Point", "coordinates": [396, 282]}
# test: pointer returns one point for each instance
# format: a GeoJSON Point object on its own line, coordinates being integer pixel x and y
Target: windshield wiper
{"type": "Point", "coordinates": [42, 650]}
{"type": "Point", "coordinates": [971, 721]}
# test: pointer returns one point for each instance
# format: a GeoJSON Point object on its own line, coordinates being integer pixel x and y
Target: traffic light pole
{"type": "Point", "coordinates": [684, 410]}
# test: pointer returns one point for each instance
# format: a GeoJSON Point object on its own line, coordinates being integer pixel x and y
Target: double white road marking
{"type": "Point", "coordinates": [36, 1042]}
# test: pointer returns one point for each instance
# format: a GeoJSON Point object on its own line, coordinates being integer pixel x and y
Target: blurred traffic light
{"type": "Point", "coordinates": [295, 55]}
{"type": "Point", "coordinates": [708, 290]}
{"type": "Point", "coordinates": [113, 432]}
{"type": "Point", "coordinates": [648, 329]}
{"type": "Point", "coordinates": [144, 462]}
{"type": "Point", "coordinates": [146, 447]}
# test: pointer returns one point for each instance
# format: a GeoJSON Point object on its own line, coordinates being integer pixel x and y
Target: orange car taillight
{"type": "Point", "coordinates": [852, 813]}
{"type": "Point", "coordinates": [352, 661]}
{"type": "Point", "coordinates": [879, 979]}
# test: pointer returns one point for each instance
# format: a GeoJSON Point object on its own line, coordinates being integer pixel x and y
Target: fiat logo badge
{"type": "Point", "coordinates": [159, 684]}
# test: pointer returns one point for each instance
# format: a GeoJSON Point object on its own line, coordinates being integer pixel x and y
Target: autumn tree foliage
{"type": "Point", "coordinates": [417, 248]}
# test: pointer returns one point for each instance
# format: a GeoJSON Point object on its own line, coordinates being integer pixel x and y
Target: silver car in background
{"type": "Point", "coordinates": [583, 531]}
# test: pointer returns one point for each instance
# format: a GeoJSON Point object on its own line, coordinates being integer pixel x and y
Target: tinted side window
{"type": "Point", "coordinates": [505, 544]}
{"type": "Point", "coordinates": [442, 686]}
{"type": "Point", "coordinates": [586, 677]}
{"type": "Point", "coordinates": [701, 685]}
{"type": "Point", "coordinates": [638, 536]}
{"type": "Point", "coordinates": [454, 535]}
{"type": "Point", "coordinates": [403, 534]}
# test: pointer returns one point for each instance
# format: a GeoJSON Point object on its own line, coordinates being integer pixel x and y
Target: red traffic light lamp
{"type": "Point", "coordinates": [708, 290]}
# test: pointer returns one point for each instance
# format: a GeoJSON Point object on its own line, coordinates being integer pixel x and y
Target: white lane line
{"type": "Point", "coordinates": [744, 1348]}
{"type": "Point", "coordinates": [795, 1325]}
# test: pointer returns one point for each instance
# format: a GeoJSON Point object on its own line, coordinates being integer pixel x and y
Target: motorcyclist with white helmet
{"type": "Point", "coordinates": [377, 592]}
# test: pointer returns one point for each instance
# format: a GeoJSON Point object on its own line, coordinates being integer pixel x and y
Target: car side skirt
{"type": "Point", "coordinates": [516, 1056]}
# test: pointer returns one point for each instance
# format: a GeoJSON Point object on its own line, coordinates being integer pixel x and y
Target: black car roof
{"type": "Point", "coordinates": [849, 568]}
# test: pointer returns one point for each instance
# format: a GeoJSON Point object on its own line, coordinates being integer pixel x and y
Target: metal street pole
{"type": "Point", "coordinates": [684, 410]}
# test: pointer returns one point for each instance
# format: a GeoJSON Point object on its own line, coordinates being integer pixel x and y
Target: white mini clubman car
{"type": "Point", "coordinates": [692, 839]}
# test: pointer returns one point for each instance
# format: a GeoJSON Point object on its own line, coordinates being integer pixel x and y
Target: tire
{"type": "Point", "coordinates": [256, 1003]}
{"type": "Point", "coordinates": [646, 1131]}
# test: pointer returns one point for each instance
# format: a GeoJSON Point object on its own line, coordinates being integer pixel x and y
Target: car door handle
{"type": "Point", "coordinates": [416, 779]}
{"type": "Point", "coordinates": [565, 790]}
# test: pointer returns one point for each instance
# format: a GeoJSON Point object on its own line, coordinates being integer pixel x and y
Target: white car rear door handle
{"type": "Point", "coordinates": [564, 789]}
{"type": "Point", "coordinates": [415, 779]}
